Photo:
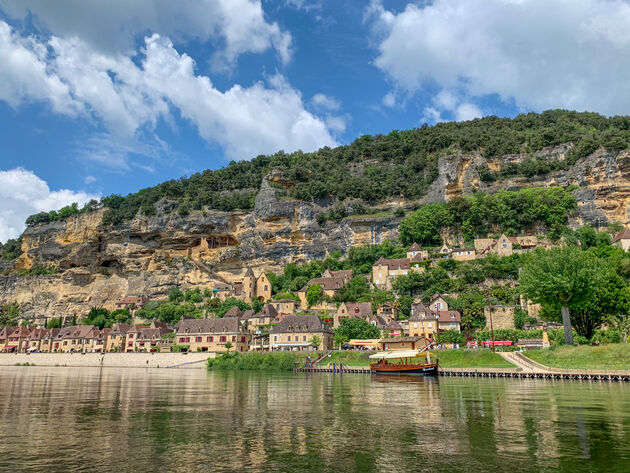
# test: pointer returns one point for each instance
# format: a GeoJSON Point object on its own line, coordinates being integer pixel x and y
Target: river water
{"type": "Point", "coordinates": [143, 420]}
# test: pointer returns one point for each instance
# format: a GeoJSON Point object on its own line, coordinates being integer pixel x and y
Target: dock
{"type": "Point", "coordinates": [580, 375]}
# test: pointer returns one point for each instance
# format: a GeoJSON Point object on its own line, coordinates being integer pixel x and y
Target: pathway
{"type": "Point", "coordinates": [523, 363]}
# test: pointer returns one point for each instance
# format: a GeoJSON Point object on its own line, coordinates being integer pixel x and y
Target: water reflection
{"type": "Point", "coordinates": [67, 419]}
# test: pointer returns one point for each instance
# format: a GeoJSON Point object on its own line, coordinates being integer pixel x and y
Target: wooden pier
{"type": "Point", "coordinates": [491, 373]}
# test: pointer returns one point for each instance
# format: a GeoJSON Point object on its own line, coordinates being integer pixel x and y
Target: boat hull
{"type": "Point", "coordinates": [427, 369]}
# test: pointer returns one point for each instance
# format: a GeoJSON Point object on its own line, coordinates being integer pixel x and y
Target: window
{"type": "Point", "coordinates": [242, 339]}
{"type": "Point", "coordinates": [223, 339]}
{"type": "Point", "coordinates": [210, 339]}
{"type": "Point", "coordinates": [504, 245]}
{"type": "Point", "coordinates": [261, 321]}
{"type": "Point", "coordinates": [288, 338]}
{"type": "Point", "coordinates": [430, 325]}
{"type": "Point", "coordinates": [275, 338]}
{"type": "Point", "coordinates": [266, 288]}
{"type": "Point", "coordinates": [197, 339]}
{"type": "Point", "coordinates": [415, 325]}
{"type": "Point", "coordinates": [233, 338]}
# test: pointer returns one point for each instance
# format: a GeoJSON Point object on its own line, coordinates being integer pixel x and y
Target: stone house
{"type": "Point", "coordinates": [46, 342]}
{"type": "Point", "coordinates": [284, 306]}
{"type": "Point", "coordinates": [259, 323]}
{"type": "Point", "coordinates": [76, 338]}
{"type": "Point", "coordinates": [132, 302]}
{"type": "Point", "coordinates": [388, 310]}
{"type": "Point", "coordinates": [115, 340]}
{"type": "Point", "coordinates": [345, 274]}
{"type": "Point", "coordinates": [17, 339]}
{"type": "Point", "coordinates": [384, 270]}
{"type": "Point", "coordinates": [403, 343]}
{"type": "Point", "coordinates": [34, 339]}
{"type": "Point", "coordinates": [248, 288]}
{"type": "Point", "coordinates": [362, 310]}
{"type": "Point", "coordinates": [438, 303]}
{"type": "Point", "coordinates": [330, 288]}
{"type": "Point", "coordinates": [423, 321]}
{"type": "Point", "coordinates": [296, 332]}
{"type": "Point", "coordinates": [212, 335]}
{"type": "Point", "coordinates": [392, 327]}
{"type": "Point", "coordinates": [463, 254]}
{"type": "Point", "coordinates": [622, 240]}
{"type": "Point", "coordinates": [416, 252]}
{"type": "Point", "coordinates": [151, 340]}
{"type": "Point", "coordinates": [449, 320]}
{"type": "Point", "coordinates": [4, 336]}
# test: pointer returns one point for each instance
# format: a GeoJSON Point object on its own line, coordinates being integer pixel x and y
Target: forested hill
{"type": "Point", "coordinates": [374, 168]}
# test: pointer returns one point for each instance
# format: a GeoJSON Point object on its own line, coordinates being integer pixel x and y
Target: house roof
{"type": "Point", "coordinates": [342, 274]}
{"type": "Point", "coordinates": [400, 263]}
{"type": "Point", "coordinates": [120, 329]}
{"type": "Point", "coordinates": [445, 316]}
{"type": "Point", "coordinates": [328, 284]}
{"type": "Point", "coordinates": [249, 273]}
{"type": "Point", "coordinates": [283, 301]}
{"type": "Point", "coordinates": [361, 309]}
{"type": "Point", "coordinates": [76, 331]}
{"type": "Point", "coordinates": [624, 235]}
{"type": "Point", "coordinates": [234, 312]}
{"type": "Point", "coordinates": [249, 313]}
{"type": "Point", "coordinates": [20, 332]}
{"type": "Point", "coordinates": [5, 331]}
{"type": "Point", "coordinates": [149, 333]}
{"type": "Point", "coordinates": [267, 311]}
{"type": "Point", "coordinates": [463, 249]}
{"type": "Point", "coordinates": [217, 325]}
{"type": "Point", "coordinates": [421, 312]}
{"type": "Point", "coordinates": [301, 324]}
{"type": "Point", "coordinates": [415, 247]}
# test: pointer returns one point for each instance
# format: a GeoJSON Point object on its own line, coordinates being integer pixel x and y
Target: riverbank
{"type": "Point", "coordinates": [110, 360]}
{"type": "Point", "coordinates": [447, 358]}
{"type": "Point", "coordinates": [604, 357]}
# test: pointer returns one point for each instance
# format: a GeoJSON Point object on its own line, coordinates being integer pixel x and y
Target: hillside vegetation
{"type": "Point", "coordinates": [372, 168]}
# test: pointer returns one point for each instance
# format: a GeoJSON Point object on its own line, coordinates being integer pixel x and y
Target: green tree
{"type": "Point", "coordinates": [316, 341]}
{"type": "Point", "coordinates": [53, 322]}
{"type": "Point", "coordinates": [175, 294]}
{"type": "Point", "coordinates": [561, 277]}
{"type": "Point", "coordinates": [314, 294]}
{"type": "Point", "coordinates": [9, 314]}
{"type": "Point", "coordinates": [228, 345]}
{"type": "Point", "coordinates": [351, 328]}
{"type": "Point", "coordinates": [423, 226]}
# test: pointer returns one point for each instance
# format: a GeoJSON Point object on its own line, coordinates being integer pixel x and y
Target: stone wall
{"type": "Point", "coordinates": [111, 360]}
{"type": "Point", "coordinates": [502, 316]}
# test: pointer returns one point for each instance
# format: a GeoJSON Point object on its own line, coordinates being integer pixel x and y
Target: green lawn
{"type": "Point", "coordinates": [614, 356]}
{"type": "Point", "coordinates": [448, 359]}
{"type": "Point", "coordinates": [480, 358]}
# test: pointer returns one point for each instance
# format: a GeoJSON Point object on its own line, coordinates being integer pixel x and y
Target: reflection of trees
{"type": "Point", "coordinates": [190, 420]}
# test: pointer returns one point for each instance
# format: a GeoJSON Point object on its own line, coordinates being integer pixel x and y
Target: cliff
{"type": "Point", "coordinates": [96, 264]}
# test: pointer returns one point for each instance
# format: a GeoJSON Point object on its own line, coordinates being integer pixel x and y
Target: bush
{"type": "Point", "coordinates": [256, 361]}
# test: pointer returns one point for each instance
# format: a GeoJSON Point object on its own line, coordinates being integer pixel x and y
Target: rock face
{"type": "Point", "coordinates": [98, 265]}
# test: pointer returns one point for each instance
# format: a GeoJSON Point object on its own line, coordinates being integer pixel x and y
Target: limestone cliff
{"type": "Point", "coordinates": [98, 265]}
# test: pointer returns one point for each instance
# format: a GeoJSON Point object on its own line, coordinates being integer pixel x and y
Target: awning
{"type": "Point", "coordinates": [10, 347]}
{"type": "Point", "coordinates": [298, 344]}
{"type": "Point", "coordinates": [387, 355]}
{"type": "Point", "coordinates": [154, 343]}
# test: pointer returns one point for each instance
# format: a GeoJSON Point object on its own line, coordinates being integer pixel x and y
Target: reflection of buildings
{"type": "Point", "coordinates": [191, 420]}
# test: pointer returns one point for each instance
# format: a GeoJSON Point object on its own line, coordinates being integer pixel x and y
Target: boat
{"type": "Point", "coordinates": [409, 362]}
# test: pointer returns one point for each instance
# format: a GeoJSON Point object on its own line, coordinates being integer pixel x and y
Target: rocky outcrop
{"type": "Point", "coordinates": [97, 265]}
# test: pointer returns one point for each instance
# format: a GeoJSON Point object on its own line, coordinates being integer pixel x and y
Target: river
{"type": "Point", "coordinates": [160, 420]}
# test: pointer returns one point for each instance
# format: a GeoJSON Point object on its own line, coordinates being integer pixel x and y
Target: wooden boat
{"type": "Point", "coordinates": [404, 362]}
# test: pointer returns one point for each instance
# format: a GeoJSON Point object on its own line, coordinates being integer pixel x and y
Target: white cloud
{"type": "Point", "coordinates": [325, 102]}
{"type": "Point", "coordinates": [467, 111]}
{"type": "Point", "coordinates": [559, 53]}
{"type": "Point", "coordinates": [389, 100]}
{"type": "Point", "coordinates": [89, 179]}
{"type": "Point", "coordinates": [239, 26]}
{"type": "Point", "coordinates": [23, 193]}
{"type": "Point", "coordinates": [129, 98]}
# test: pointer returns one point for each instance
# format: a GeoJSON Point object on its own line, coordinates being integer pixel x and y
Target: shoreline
{"type": "Point", "coordinates": [108, 360]}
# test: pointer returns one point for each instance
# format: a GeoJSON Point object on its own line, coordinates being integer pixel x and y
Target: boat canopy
{"type": "Point", "coordinates": [388, 355]}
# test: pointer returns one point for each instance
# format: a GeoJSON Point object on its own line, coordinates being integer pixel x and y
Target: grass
{"type": "Point", "coordinates": [448, 359]}
{"type": "Point", "coordinates": [479, 358]}
{"type": "Point", "coordinates": [614, 356]}
{"type": "Point", "coordinates": [257, 361]}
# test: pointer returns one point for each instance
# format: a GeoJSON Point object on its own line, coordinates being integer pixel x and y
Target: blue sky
{"type": "Point", "coordinates": [109, 97]}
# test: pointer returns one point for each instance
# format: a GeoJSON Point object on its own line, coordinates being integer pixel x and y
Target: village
{"type": "Point", "coordinates": [294, 324]}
